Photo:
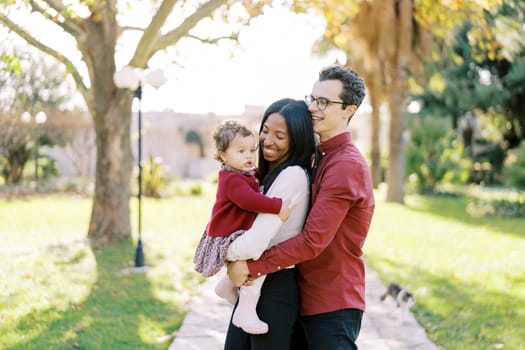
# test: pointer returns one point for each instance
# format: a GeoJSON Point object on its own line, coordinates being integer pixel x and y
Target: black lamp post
{"type": "Point", "coordinates": [139, 252]}
{"type": "Point", "coordinates": [40, 118]}
{"type": "Point", "coordinates": [133, 79]}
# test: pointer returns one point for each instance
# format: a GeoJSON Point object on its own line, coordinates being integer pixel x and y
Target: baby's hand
{"type": "Point", "coordinates": [285, 210]}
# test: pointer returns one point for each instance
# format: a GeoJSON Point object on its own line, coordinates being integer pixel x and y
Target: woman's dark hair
{"type": "Point", "coordinates": [300, 131]}
{"type": "Point", "coordinates": [273, 108]}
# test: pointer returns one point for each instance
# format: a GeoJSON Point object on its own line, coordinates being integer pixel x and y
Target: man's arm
{"type": "Point", "coordinates": [330, 206]}
{"type": "Point", "coordinates": [326, 215]}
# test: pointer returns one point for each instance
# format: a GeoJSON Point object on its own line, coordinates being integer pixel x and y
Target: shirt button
{"type": "Point", "coordinates": [278, 267]}
{"type": "Point", "coordinates": [258, 274]}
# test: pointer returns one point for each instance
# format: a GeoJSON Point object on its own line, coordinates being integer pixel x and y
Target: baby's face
{"type": "Point", "coordinates": [240, 154]}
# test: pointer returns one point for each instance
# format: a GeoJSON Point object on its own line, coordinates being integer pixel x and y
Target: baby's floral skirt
{"type": "Point", "coordinates": [211, 253]}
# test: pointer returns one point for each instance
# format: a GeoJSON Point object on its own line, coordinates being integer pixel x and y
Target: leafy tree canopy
{"type": "Point", "coordinates": [462, 80]}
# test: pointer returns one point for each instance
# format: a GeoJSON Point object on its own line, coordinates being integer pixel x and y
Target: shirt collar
{"type": "Point", "coordinates": [335, 142]}
{"type": "Point", "coordinates": [227, 168]}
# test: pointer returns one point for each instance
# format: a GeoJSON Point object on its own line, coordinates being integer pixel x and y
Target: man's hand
{"type": "Point", "coordinates": [238, 272]}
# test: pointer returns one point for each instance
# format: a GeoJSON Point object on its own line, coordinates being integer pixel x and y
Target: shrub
{"type": "Point", "coordinates": [47, 167]}
{"type": "Point", "coordinates": [154, 178]}
{"type": "Point", "coordinates": [500, 208]}
{"type": "Point", "coordinates": [488, 166]}
{"type": "Point", "coordinates": [196, 189]}
{"type": "Point", "coordinates": [189, 188]}
{"type": "Point", "coordinates": [435, 155]}
{"type": "Point", "coordinates": [514, 172]}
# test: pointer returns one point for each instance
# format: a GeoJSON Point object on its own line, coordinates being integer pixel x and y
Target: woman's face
{"type": "Point", "coordinates": [274, 140]}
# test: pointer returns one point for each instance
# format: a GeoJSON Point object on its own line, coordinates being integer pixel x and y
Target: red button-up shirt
{"type": "Point", "coordinates": [328, 252]}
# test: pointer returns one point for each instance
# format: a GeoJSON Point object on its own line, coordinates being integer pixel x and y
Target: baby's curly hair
{"type": "Point", "coordinates": [225, 133]}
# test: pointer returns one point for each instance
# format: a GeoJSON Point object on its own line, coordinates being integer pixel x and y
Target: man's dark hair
{"type": "Point", "coordinates": [353, 85]}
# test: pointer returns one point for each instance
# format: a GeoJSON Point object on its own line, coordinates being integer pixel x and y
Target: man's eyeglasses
{"type": "Point", "coordinates": [322, 102]}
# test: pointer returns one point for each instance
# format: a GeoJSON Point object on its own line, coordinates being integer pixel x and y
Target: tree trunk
{"type": "Point", "coordinates": [110, 109]}
{"type": "Point", "coordinates": [17, 160]}
{"type": "Point", "coordinates": [396, 99]}
{"type": "Point", "coordinates": [110, 219]}
{"type": "Point", "coordinates": [396, 158]}
{"type": "Point", "coordinates": [375, 147]}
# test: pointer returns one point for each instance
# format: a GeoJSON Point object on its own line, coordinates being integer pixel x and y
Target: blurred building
{"type": "Point", "coordinates": [182, 142]}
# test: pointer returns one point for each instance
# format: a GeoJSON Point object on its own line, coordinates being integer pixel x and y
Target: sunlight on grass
{"type": "Point", "coordinates": [466, 273]}
{"type": "Point", "coordinates": [58, 292]}
{"type": "Point", "coordinates": [44, 282]}
{"type": "Point", "coordinates": [150, 330]}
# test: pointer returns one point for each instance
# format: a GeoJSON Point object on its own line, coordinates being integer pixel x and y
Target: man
{"type": "Point", "coordinates": [328, 252]}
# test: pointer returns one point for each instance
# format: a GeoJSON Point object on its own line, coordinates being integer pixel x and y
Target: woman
{"type": "Point", "coordinates": [286, 146]}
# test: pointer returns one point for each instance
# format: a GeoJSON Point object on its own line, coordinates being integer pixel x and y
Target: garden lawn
{"type": "Point", "coordinates": [58, 292]}
{"type": "Point", "coordinates": [468, 274]}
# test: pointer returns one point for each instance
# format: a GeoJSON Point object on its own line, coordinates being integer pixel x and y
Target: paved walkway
{"type": "Point", "coordinates": [383, 327]}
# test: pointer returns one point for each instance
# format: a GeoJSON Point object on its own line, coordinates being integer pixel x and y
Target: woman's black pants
{"type": "Point", "coordinates": [278, 306]}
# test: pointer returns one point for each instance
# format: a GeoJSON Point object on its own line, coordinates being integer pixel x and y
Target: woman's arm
{"type": "Point", "coordinates": [290, 184]}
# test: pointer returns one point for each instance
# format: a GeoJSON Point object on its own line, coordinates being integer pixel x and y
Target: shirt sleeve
{"type": "Point", "coordinates": [244, 196]}
{"type": "Point", "coordinates": [326, 215]}
{"type": "Point", "coordinates": [289, 185]}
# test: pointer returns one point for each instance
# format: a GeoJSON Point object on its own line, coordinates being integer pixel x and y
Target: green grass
{"type": "Point", "coordinates": [468, 274]}
{"type": "Point", "coordinates": [58, 292]}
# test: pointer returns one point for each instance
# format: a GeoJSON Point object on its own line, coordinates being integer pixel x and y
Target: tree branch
{"type": "Point", "coordinates": [138, 29]}
{"type": "Point", "coordinates": [70, 24]}
{"type": "Point", "coordinates": [183, 29]}
{"type": "Point", "coordinates": [233, 36]}
{"type": "Point", "coordinates": [70, 67]}
{"type": "Point", "coordinates": [145, 47]}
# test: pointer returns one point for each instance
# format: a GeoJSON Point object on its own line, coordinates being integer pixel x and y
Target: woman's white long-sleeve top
{"type": "Point", "coordinates": [268, 229]}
